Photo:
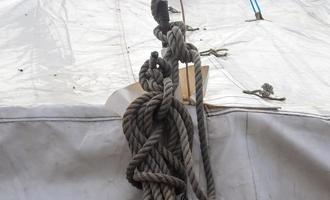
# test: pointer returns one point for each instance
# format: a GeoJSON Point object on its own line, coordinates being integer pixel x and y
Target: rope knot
{"type": "Point", "coordinates": [155, 77]}
{"type": "Point", "coordinates": [178, 46]}
{"type": "Point", "coordinates": [153, 72]}
{"type": "Point", "coordinates": [267, 90]}
{"type": "Point", "coordinates": [162, 164]}
{"type": "Point", "coordinates": [163, 37]}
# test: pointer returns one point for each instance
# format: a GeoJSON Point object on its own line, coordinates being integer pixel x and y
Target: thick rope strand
{"type": "Point", "coordinates": [159, 129]}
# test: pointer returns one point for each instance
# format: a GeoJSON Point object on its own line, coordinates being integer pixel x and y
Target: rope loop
{"type": "Point", "coordinates": [158, 128]}
{"type": "Point", "coordinates": [159, 131]}
{"type": "Point", "coordinates": [154, 77]}
{"type": "Point", "coordinates": [153, 72]}
{"type": "Point", "coordinates": [267, 90]}
{"type": "Point", "coordinates": [180, 49]}
{"type": "Point", "coordinates": [163, 37]}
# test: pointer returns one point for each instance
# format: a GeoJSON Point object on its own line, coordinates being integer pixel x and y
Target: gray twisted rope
{"type": "Point", "coordinates": [159, 129]}
{"type": "Point", "coordinates": [153, 167]}
{"type": "Point", "coordinates": [215, 52]}
{"type": "Point", "coordinates": [173, 10]}
{"type": "Point", "coordinates": [180, 51]}
{"type": "Point", "coordinates": [266, 92]}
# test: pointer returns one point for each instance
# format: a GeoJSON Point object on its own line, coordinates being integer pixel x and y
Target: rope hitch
{"type": "Point", "coordinates": [266, 92]}
{"type": "Point", "coordinates": [173, 10]}
{"type": "Point", "coordinates": [216, 52]}
{"type": "Point", "coordinates": [159, 129]}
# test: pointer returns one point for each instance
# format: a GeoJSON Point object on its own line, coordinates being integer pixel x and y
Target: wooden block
{"type": "Point", "coordinates": [188, 96]}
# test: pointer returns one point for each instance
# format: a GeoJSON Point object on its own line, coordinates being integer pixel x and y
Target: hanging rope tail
{"type": "Point", "coordinates": [159, 129]}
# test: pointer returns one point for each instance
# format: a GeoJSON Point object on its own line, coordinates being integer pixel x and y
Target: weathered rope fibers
{"type": "Point", "coordinates": [266, 92]}
{"type": "Point", "coordinates": [159, 129]}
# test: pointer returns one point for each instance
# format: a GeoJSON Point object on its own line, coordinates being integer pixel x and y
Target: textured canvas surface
{"type": "Point", "coordinates": [81, 153]}
{"type": "Point", "coordinates": [69, 52]}
{"type": "Point", "coordinates": [61, 60]}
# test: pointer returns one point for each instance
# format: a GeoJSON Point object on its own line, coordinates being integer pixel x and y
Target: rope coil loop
{"type": "Point", "coordinates": [151, 77]}
{"type": "Point", "coordinates": [159, 131]}
{"type": "Point", "coordinates": [158, 127]}
{"type": "Point", "coordinates": [163, 37]}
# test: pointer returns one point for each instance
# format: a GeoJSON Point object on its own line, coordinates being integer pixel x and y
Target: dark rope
{"type": "Point", "coordinates": [215, 52]}
{"type": "Point", "coordinates": [266, 92]}
{"type": "Point", "coordinates": [159, 129]}
{"type": "Point", "coordinates": [189, 28]}
{"type": "Point", "coordinates": [173, 10]}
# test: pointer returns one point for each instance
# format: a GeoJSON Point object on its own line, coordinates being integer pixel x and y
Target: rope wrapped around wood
{"type": "Point", "coordinates": [159, 129]}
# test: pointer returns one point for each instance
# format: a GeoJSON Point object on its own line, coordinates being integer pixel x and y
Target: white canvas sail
{"type": "Point", "coordinates": [61, 60]}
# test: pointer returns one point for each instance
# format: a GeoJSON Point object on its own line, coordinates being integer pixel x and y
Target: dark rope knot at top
{"type": "Point", "coordinates": [158, 32]}
{"type": "Point", "coordinates": [180, 49]}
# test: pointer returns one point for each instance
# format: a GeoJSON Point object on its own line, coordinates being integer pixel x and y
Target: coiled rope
{"type": "Point", "coordinates": [159, 129]}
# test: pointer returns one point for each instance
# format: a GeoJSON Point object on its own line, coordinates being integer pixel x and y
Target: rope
{"type": "Point", "coordinates": [173, 10]}
{"type": "Point", "coordinates": [189, 28]}
{"type": "Point", "coordinates": [215, 52]}
{"type": "Point", "coordinates": [266, 92]}
{"type": "Point", "coordinates": [184, 37]}
{"type": "Point", "coordinates": [256, 10]}
{"type": "Point", "coordinates": [159, 129]}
